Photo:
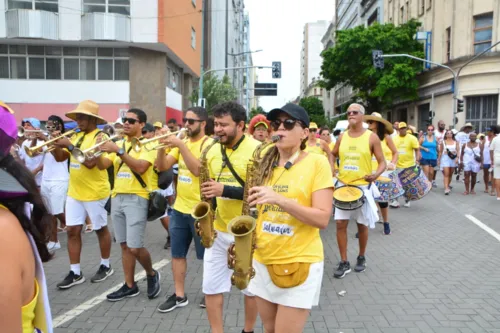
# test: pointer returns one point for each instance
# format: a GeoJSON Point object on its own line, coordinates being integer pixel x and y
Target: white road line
{"type": "Point", "coordinates": [78, 310]}
{"type": "Point", "coordinates": [484, 227]}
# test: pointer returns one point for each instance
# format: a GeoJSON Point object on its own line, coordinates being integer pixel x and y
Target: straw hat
{"type": "Point", "coordinates": [89, 108]}
{"type": "Point", "coordinates": [2, 104]}
{"type": "Point", "coordinates": [375, 116]}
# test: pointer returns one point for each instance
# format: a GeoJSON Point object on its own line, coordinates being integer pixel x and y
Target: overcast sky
{"type": "Point", "coordinates": [276, 27]}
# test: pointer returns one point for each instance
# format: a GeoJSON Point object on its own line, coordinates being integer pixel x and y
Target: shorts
{"type": "Point", "coordinates": [304, 296]}
{"type": "Point", "coordinates": [216, 274]}
{"type": "Point", "coordinates": [496, 171]}
{"type": "Point", "coordinates": [447, 162]}
{"type": "Point", "coordinates": [54, 194]}
{"type": "Point", "coordinates": [424, 162]}
{"type": "Point", "coordinates": [77, 211]}
{"type": "Point", "coordinates": [129, 213]}
{"type": "Point", "coordinates": [472, 166]}
{"type": "Point", "coordinates": [182, 232]}
{"type": "Point", "coordinates": [486, 167]}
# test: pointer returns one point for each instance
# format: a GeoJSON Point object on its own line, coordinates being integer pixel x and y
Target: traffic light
{"type": "Point", "coordinates": [378, 60]}
{"type": "Point", "coordinates": [460, 105]}
{"type": "Point", "coordinates": [276, 69]}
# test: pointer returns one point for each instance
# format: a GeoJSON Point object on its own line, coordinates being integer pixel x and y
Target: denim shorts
{"type": "Point", "coordinates": [432, 163]}
{"type": "Point", "coordinates": [182, 232]}
{"type": "Point", "coordinates": [486, 167]}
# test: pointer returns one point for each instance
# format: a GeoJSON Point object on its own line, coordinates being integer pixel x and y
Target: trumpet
{"type": "Point", "coordinates": [21, 131]}
{"type": "Point", "coordinates": [138, 144]}
{"type": "Point", "coordinates": [32, 151]}
{"type": "Point", "coordinates": [92, 152]}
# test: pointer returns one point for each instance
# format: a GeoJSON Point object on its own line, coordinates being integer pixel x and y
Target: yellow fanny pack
{"type": "Point", "coordinates": [289, 275]}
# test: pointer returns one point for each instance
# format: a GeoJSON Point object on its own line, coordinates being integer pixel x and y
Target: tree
{"type": "Point", "coordinates": [256, 111]}
{"type": "Point", "coordinates": [314, 108]}
{"type": "Point", "coordinates": [215, 91]}
{"type": "Point", "coordinates": [350, 63]}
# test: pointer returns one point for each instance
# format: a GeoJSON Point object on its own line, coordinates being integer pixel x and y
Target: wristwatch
{"type": "Point", "coordinates": [120, 152]}
{"type": "Point", "coordinates": [71, 147]}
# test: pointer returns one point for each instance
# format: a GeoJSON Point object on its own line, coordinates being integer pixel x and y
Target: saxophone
{"type": "Point", "coordinates": [203, 212]}
{"type": "Point", "coordinates": [240, 253]}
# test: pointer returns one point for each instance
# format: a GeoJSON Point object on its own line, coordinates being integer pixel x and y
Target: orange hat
{"type": "Point", "coordinates": [259, 119]}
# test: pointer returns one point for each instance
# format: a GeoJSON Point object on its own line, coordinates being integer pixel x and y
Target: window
{"type": "Point", "coordinates": [67, 63]}
{"type": "Point", "coordinates": [193, 38]}
{"type": "Point", "coordinates": [481, 111]}
{"type": "Point", "coordinates": [448, 44]}
{"type": "Point", "coordinates": [107, 6]}
{"type": "Point", "coordinates": [47, 5]}
{"type": "Point", "coordinates": [408, 15]}
{"type": "Point", "coordinates": [482, 32]}
{"type": "Point", "coordinates": [429, 4]}
{"type": "Point", "coordinates": [402, 15]}
{"type": "Point", "coordinates": [421, 7]}
{"type": "Point", "coordinates": [373, 18]}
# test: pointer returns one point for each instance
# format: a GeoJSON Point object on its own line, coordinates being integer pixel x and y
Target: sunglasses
{"type": "Point", "coordinates": [288, 124]}
{"type": "Point", "coordinates": [352, 113]}
{"type": "Point", "coordinates": [131, 121]}
{"type": "Point", "coordinates": [190, 121]}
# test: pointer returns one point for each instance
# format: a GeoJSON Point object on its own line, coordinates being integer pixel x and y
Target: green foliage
{"type": "Point", "coordinates": [314, 108]}
{"type": "Point", "coordinates": [256, 111]}
{"type": "Point", "coordinates": [350, 63]}
{"type": "Point", "coordinates": [215, 91]}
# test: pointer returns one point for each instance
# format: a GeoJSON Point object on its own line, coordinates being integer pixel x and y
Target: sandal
{"type": "Point", "coordinates": [465, 193]}
{"type": "Point", "coordinates": [472, 192]}
{"type": "Point", "coordinates": [89, 228]}
{"type": "Point", "coordinates": [59, 229]}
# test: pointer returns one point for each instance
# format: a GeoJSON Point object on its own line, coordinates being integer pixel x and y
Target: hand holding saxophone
{"type": "Point", "coordinates": [263, 195]}
{"type": "Point", "coordinates": [211, 189]}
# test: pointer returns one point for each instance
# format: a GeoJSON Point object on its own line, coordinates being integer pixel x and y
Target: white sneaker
{"type": "Point", "coordinates": [52, 246]}
{"type": "Point", "coordinates": [407, 204]}
{"type": "Point", "coordinates": [394, 204]}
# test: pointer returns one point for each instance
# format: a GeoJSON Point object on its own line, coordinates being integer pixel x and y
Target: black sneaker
{"type": "Point", "coordinates": [71, 280]}
{"type": "Point", "coordinates": [172, 303]}
{"type": "Point", "coordinates": [387, 228]}
{"type": "Point", "coordinates": [343, 268]}
{"type": "Point", "coordinates": [360, 264]}
{"type": "Point", "coordinates": [154, 286]}
{"type": "Point", "coordinates": [202, 303]}
{"type": "Point", "coordinates": [123, 292]}
{"type": "Point", "coordinates": [102, 274]}
{"type": "Point", "coordinates": [167, 244]}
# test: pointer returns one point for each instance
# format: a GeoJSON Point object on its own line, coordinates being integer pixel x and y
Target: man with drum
{"type": "Point", "coordinates": [409, 152]}
{"type": "Point", "coordinates": [355, 148]}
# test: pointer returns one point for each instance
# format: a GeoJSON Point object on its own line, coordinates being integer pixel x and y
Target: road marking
{"type": "Point", "coordinates": [87, 305]}
{"type": "Point", "coordinates": [484, 227]}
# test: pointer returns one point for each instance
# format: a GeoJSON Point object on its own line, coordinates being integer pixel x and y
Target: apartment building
{"type": "Point", "coordinates": [119, 53]}
{"type": "Point", "coordinates": [310, 60]}
{"type": "Point", "coordinates": [453, 32]}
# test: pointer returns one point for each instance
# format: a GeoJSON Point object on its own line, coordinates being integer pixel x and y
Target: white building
{"type": "Point", "coordinates": [310, 61]}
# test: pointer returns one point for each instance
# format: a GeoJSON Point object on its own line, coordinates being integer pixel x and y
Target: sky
{"type": "Point", "coordinates": [276, 27]}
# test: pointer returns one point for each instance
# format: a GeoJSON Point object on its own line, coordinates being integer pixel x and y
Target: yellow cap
{"type": "Point", "coordinates": [313, 125]}
{"type": "Point", "coordinates": [402, 125]}
{"type": "Point", "coordinates": [158, 124]}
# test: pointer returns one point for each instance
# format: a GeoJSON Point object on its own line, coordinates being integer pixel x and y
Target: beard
{"type": "Point", "coordinates": [229, 137]}
{"type": "Point", "coordinates": [195, 132]}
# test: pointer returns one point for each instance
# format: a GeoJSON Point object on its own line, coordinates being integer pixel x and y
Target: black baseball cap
{"type": "Point", "coordinates": [293, 110]}
{"type": "Point", "coordinates": [148, 128]}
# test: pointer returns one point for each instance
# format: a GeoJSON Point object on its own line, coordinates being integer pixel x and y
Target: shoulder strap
{"type": "Point", "coordinates": [137, 176]}
{"type": "Point", "coordinates": [226, 160]}
{"type": "Point", "coordinates": [204, 140]}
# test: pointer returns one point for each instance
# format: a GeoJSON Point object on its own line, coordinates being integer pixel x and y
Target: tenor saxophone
{"type": "Point", "coordinates": [203, 212]}
{"type": "Point", "coordinates": [240, 253]}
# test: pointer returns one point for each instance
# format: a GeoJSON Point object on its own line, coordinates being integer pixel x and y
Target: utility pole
{"type": "Point", "coordinates": [202, 63]}
{"type": "Point", "coordinates": [247, 50]}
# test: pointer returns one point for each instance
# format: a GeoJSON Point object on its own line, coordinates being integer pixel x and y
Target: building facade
{"type": "Point", "coordinates": [310, 58]}
{"type": "Point", "coordinates": [119, 53]}
{"type": "Point", "coordinates": [454, 31]}
{"type": "Point", "coordinates": [328, 99]}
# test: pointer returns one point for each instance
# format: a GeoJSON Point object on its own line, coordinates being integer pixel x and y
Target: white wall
{"type": "Point", "coordinates": [218, 38]}
{"type": "Point", "coordinates": [144, 17]}
{"type": "Point", "coordinates": [316, 32]}
{"type": "Point", "coordinates": [70, 22]}
{"type": "Point", "coordinates": [174, 99]}
{"type": "Point", "coordinates": [3, 31]}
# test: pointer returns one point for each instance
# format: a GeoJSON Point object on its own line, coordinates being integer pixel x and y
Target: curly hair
{"type": "Point", "coordinates": [260, 118]}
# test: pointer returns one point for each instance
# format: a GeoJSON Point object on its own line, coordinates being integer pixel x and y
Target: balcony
{"type": "Point", "coordinates": [106, 26]}
{"type": "Point", "coordinates": [28, 23]}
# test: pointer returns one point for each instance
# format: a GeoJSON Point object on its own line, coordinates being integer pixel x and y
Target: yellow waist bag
{"type": "Point", "coordinates": [289, 275]}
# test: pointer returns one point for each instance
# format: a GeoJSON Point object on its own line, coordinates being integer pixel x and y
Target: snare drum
{"type": "Point", "coordinates": [348, 197]}
{"type": "Point", "coordinates": [389, 186]}
{"type": "Point", "coordinates": [415, 183]}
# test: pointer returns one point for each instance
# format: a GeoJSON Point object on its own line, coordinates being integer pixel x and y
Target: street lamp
{"type": "Point", "coordinates": [238, 54]}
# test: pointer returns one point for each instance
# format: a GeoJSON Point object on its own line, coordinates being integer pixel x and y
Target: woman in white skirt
{"type": "Point", "coordinates": [471, 162]}
{"type": "Point", "coordinates": [294, 203]}
{"type": "Point", "coordinates": [448, 149]}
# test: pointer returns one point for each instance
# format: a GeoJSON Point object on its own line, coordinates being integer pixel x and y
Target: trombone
{"type": "Point", "coordinates": [138, 144]}
{"type": "Point", "coordinates": [33, 151]}
{"type": "Point", "coordinates": [92, 152]}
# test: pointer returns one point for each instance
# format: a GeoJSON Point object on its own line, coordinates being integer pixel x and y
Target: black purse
{"type": "Point", "coordinates": [450, 154]}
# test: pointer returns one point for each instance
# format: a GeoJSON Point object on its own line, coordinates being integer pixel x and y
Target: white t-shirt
{"type": "Point", "coordinates": [462, 138]}
{"type": "Point", "coordinates": [32, 162]}
{"type": "Point", "coordinates": [53, 170]}
{"type": "Point", "coordinates": [439, 135]}
{"type": "Point", "coordinates": [495, 147]}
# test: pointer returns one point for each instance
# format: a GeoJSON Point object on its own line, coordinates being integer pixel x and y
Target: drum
{"type": "Point", "coordinates": [415, 183]}
{"type": "Point", "coordinates": [389, 186]}
{"type": "Point", "coordinates": [348, 197]}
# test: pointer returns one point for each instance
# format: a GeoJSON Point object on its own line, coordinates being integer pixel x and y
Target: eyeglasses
{"type": "Point", "coordinates": [190, 121]}
{"type": "Point", "coordinates": [313, 129]}
{"type": "Point", "coordinates": [131, 121]}
{"type": "Point", "coordinates": [49, 128]}
{"type": "Point", "coordinates": [288, 124]}
{"type": "Point", "coordinates": [352, 113]}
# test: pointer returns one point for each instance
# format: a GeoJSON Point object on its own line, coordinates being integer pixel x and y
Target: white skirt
{"type": "Point", "coordinates": [304, 296]}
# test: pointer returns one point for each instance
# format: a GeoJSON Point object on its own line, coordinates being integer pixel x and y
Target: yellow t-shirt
{"type": "Point", "coordinates": [355, 158]}
{"type": "Point", "coordinates": [125, 181]}
{"type": "Point", "coordinates": [405, 146]}
{"type": "Point", "coordinates": [387, 155]}
{"type": "Point", "coordinates": [316, 149]}
{"type": "Point", "coordinates": [227, 209]}
{"type": "Point", "coordinates": [87, 184]}
{"type": "Point", "coordinates": [188, 185]}
{"type": "Point", "coordinates": [281, 238]}
{"type": "Point", "coordinates": [331, 145]}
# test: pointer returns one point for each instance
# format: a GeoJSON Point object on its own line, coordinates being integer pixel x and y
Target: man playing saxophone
{"type": "Point", "coordinates": [186, 154]}
{"type": "Point", "coordinates": [227, 163]}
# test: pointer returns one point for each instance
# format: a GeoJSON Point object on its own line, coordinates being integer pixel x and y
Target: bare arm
{"type": "Point", "coordinates": [163, 161]}
{"type": "Point", "coordinates": [328, 153]}
{"type": "Point", "coordinates": [103, 163]}
{"type": "Point", "coordinates": [462, 153]}
{"type": "Point", "coordinates": [335, 151]}
{"type": "Point", "coordinates": [137, 166]}
{"type": "Point", "coordinates": [376, 148]}
{"type": "Point", "coordinates": [191, 161]}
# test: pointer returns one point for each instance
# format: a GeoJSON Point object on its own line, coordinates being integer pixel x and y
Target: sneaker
{"type": "Point", "coordinates": [394, 204]}
{"type": "Point", "coordinates": [123, 292]}
{"type": "Point", "coordinates": [154, 286]}
{"type": "Point", "coordinates": [167, 244]}
{"type": "Point", "coordinates": [343, 268]}
{"type": "Point", "coordinates": [102, 274]}
{"type": "Point", "coordinates": [71, 280]}
{"type": "Point", "coordinates": [360, 264]}
{"type": "Point", "coordinates": [387, 228]}
{"type": "Point", "coordinates": [434, 184]}
{"type": "Point", "coordinates": [407, 204]}
{"type": "Point", "coordinates": [172, 303]}
{"type": "Point", "coordinates": [52, 246]}
{"type": "Point", "coordinates": [202, 303]}
{"type": "Point", "coordinates": [357, 235]}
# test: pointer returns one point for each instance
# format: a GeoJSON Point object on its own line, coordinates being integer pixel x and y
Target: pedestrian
{"type": "Point", "coordinates": [448, 156]}
{"type": "Point", "coordinates": [471, 158]}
